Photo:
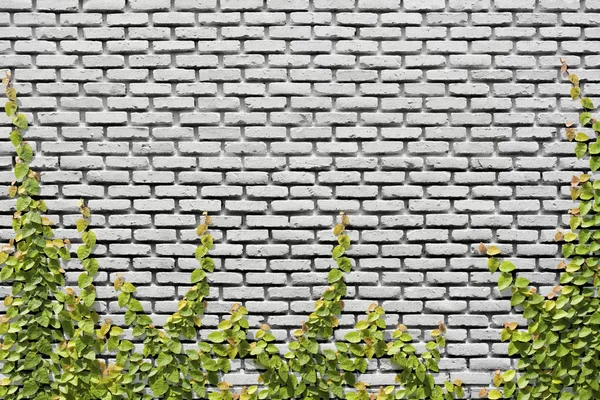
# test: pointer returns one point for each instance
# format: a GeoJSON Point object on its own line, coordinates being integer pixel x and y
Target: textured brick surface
{"type": "Point", "coordinates": [433, 123]}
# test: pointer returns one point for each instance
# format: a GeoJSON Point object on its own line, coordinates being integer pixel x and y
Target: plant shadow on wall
{"type": "Point", "coordinates": [558, 354]}
{"type": "Point", "coordinates": [55, 347]}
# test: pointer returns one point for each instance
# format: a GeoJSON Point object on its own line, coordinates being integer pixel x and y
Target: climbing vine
{"type": "Point", "coordinates": [558, 352]}
{"type": "Point", "coordinates": [49, 345]}
{"type": "Point", "coordinates": [324, 373]}
{"type": "Point", "coordinates": [55, 346]}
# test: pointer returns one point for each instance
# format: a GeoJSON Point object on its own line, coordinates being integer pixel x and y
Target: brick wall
{"type": "Point", "coordinates": [434, 124]}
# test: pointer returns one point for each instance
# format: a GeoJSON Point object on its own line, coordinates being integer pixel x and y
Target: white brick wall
{"type": "Point", "coordinates": [434, 124]}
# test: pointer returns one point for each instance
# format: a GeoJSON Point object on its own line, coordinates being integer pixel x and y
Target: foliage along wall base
{"type": "Point", "coordinates": [54, 344]}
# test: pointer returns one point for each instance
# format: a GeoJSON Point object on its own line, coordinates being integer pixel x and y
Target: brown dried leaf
{"type": "Point", "coordinates": [558, 236]}
{"type": "Point", "coordinates": [372, 307]}
{"type": "Point", "coordinates": [511, 325]}
{"type": "Point", "coordinates": [442, 326]}
{"type": "Point", "coordinates": [557, 288]}
{"type": "Point", "coordinates": [481, 248]}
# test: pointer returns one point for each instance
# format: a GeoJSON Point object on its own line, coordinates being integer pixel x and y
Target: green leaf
{"type": "Point", "coordinates": [344, 240]}
{"type": "Point", "coordinates": [575, 92]}
{"type": "Point", "coordinates": [587, 103]}
{"type": "Point", "coordinates": [334, 275]}
{"type": "Point", "coordinates": [116, 331]}
{"type": "Point", "coordinates": [201, 252]}
{"type": "Point", "coordinates": [6, 272]}
{"type": "Point", "coordinates": [88, 297]}
{"type": "Point", "coordinates": [23, 203]}
{"type": "Point", "coordinates": [25, 151]}
{"type": "Point", "coordinates": [198, 275]}
{"type": "Point", "coordinates": [89, 238]}
{"type": "Point", "coordinates": [207, 240]}
{"type": "Point", "coordinates": [91, 266]}
{"type": "Point", "coordinates": [11, 93]}
{"type": "Point", "coordinates": [337, 251]}
{"type": "Point", "coordinates": [135, 305]}
{"type": "Point", "coordinates": [493, 264]}
{"type": "Point", "coordinates": [164, 359]}
{"type": "Point", "coordinates": [495, 395]}
{"type": "Point", "coordinates": [568, 249]}
{"type": "Point", "coordinates": [29, 388]}
{"type": "Point", "coordinates": [21, 170]}
{"type": "Point", "coordinates": [207, 263]}
{"type": "Point", "coordinates": [51, 252]}
{"type": "Point", "coordinates": [31, 360]}
{"type": "Point", "coordinates": [580, 149]}
{"type": "Point", "coordinates": [507, 266]}
{"type": "Point", "coordinates": [82, 224]}
{"type": "Point", "coordinates": [31, 186]}
{"type": "Point", "coordinates": [361, 325]}
{"type": "Point", "coordinates": [594, 163]}
{"type": "Point", "coordinates": [159, 387]}
{"type": "Point", "coordinates": [16, 137]}
{"type": "Point", "coordinates": [224, 325]}
{"type": "Point", "coordinates": [84, 280]}
{"type": "Point", "coordinates": [128, 288]}
{"type": "Point", "coordinates": [521, 282]}
{"type": "Point", "coordinates": [83, 251]}
{"type": "Point", "coordinates": [585, 118]}
{"type": "Point", "coordinates": [344, 264]}
{"type": "Point", "coordinates": [509, 375]}
{"type": "Point", "coordinates": [353, 337]}
{"type": "Point", "coordinates": [174, 346]}
{"type": "Point", "coordinates": [504, 281]}
{"type": "Point", "coordinates": [216, 337]}
{"type": "Point", "coordinates": [574, 79]}
{"type": "Point", "coordinates": [10, 107]}
{"type": "Point", "coordinates": [20, 121]}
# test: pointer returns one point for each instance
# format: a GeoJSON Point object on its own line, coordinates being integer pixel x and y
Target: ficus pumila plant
{"type": "Point", "coordinates": [55, 347]}
{"type": "Point", "coordinates": [49, 343]}
{"type": "Point", "coordinates": [53, 342]}
{"type": "Point", "coordinates": [558, 354]}
{"type": "Point", "coordinates": [169, 370]}
{"type": "Point", "coordinates": [323, 373]}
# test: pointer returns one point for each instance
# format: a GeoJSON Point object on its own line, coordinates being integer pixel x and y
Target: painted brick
{"type": "Point", "coordinates": [156, 110]}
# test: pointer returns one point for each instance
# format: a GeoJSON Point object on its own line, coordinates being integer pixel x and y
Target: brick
{"type": "Point", "coordinates": [425, 121]}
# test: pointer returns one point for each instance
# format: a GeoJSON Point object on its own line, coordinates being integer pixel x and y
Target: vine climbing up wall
{"type": "Point", "coordinates": [55, 346]}
{"type": "Point", "coordinates": [435, 125]}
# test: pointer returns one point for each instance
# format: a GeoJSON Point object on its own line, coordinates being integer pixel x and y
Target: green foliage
{"type": "Point", "coordinates": [49, 344]}
{"type": "Point", "coordinates": [558, 352]}
{"type": "Point", "coordinates": [323, 373]}
{"type": "Point", "coordinates": [54, 345]}
{"type": "Point", "coordinates": [176, 373]}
